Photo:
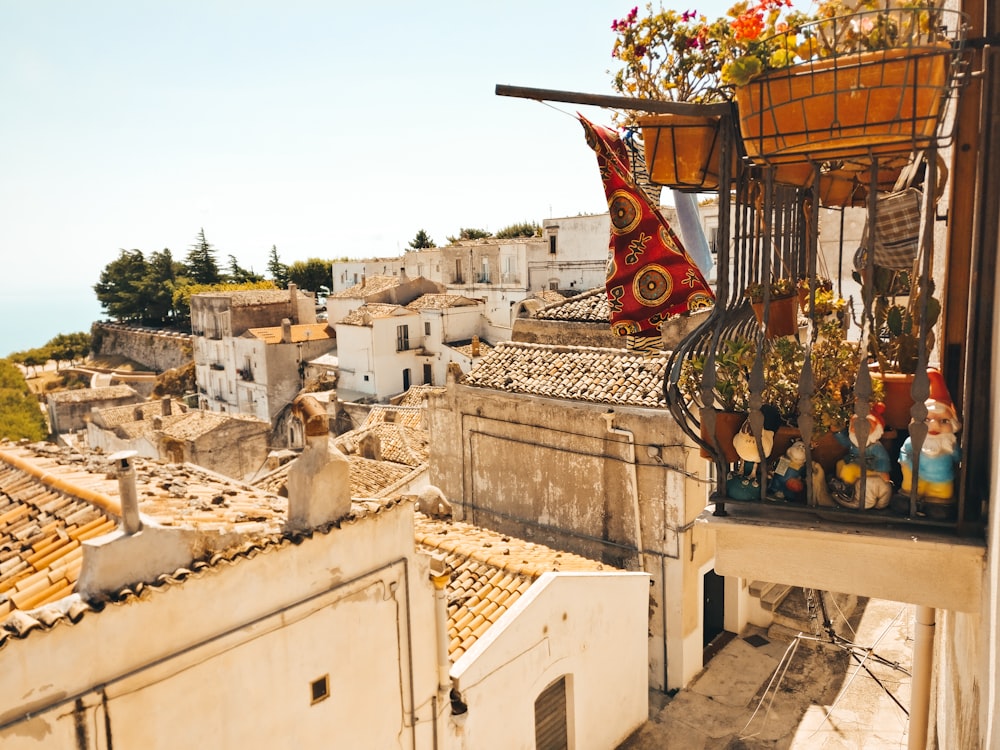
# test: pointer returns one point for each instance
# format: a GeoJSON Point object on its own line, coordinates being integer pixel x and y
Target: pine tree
{"type": "Point", "coordinates": [277, 270]}
{"type": "Point", "coordinates": [422, 239]}
{"type": "Point", "coordinates": [200, 264]}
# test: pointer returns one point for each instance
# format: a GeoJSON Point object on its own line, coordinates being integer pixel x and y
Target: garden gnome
{"type": "Point", "coordinates": [789, 481]}
{"type": "Point", "coordinates": [744, 485]}
{"type": "Point", "coordinates": [940, 452]}
{"type": "Point", "coordinates": [874, 461]}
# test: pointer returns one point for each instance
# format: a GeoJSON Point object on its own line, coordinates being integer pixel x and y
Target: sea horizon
{"type": "Point", "coordinates": [36, 318]}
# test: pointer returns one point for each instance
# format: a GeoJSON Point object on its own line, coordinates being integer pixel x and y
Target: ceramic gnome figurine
{"type": "Point", "coordinates": [939, 454]}
{"type": "Point", "coordinates": [789, 479]}
{"type": "Point", "coordinates": [874, 461]}
{"type": "Point", "coordinates": [743, 484]}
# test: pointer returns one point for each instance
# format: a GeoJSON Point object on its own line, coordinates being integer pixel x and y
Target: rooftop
{"type": "Point", "coordinates": [249, 297]}
{"type": "Point", "coordinates": [81, 395]}
{"type": "Point", "coordinates": [489, 572]}
{"type": "Point", "coordinates": [300, 333]}
{"type": "Point", "coordinates": [196, 423]}
{"type": "Point", "coordinates": [441, 302]}
{"type": "Point", "coordinates": [369, 311]}
{"type": "Point", "coordinates": [607, 376]}
{"type": "Point", "coordinates": [416, 396]}
{"type": "Point", "coordinates": [589, 307]}
{"type": "Point", "coordinates": [113, 416]}
{"type": "Point", "coordinates": [370, 285]}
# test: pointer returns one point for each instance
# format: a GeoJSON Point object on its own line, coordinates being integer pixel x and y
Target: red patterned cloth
{"type": "Point", "coordinates": [650, 276]}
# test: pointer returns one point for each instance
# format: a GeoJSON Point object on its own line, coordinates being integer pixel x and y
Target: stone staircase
{"type": "Point", "coordinates": [789, 608]}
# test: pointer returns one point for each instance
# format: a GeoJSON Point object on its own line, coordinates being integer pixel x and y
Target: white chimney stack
{"type": "Point", "coordinates": [129, 497]}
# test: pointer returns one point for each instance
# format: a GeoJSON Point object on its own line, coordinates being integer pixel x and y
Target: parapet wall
{"type": "Point", "coordinates": [156, 349]}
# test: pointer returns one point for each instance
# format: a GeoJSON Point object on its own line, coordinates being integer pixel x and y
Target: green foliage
{"type": "Point", "coordinates": [239, 275]}
{"type": "Point", "coordinates": [276, 269]}
{"type": "Point", "coordinates": [20, 416]}
{"type": "Point", "coordinates": [200, 264]}
{"type": "Point", "coordinates": [421, 240]}
{"type": "Point", "coordinates": [176, 382]}
{"type": "Point", "coordinates": [522, 229]}
{"type": "Point", "coordinates": [119, 288]}
{"type": "Point", "coordinates": [311, 274]}
{"type": "Point", "coordinates": [467, 233]}
{"type": "Point", "coordinates": [896, 344]}
{"type": "Point", "coordinates": [69, 347]}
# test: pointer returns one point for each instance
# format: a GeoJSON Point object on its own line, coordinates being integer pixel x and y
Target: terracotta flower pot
{"type": "Point", "coordinates": [727, 424]}
{"type": "Point", "coordinates": [898, 400]}
{"type": "Point", "coordinates": [783, 319]}
{"type": "Point", "coordinates": [853, 105]}
{"type": "Point", "coordinates": [683, 151]}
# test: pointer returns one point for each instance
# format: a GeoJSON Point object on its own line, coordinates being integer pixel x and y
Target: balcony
{"type": "Point", "coordinates": [801, 516]}
{"type": "Point", "coordinates": [219, 366]}
{"type": "Point", "coordinates": [246, 374]}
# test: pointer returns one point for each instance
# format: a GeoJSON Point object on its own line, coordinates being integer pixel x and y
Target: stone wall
{"type": "Point", "coordinates": [157, 350]}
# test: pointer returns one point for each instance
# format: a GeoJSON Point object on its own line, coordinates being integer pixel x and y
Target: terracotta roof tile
{"type": "Point", "coordinates": [251, 297]}
{"type": "Point", "coordinates": [417, 395]}
{"type": "Point", "coordinates": [489, 573]}
{"type": "Point", "coordinates": [409, 415]}
{"type": "Point", "coordinates": [196, 423]}
{"type": "Point", "coordinates": [589, 307]}
{"type": "Point", "coordinates": [611, 376]}
{"type": "Point", "coordinates": [371, 285]}
{"type": "Point", "coordinates": [113, 416]}
{"type": "Point", "coordinates": [466, 348]}
{"type": "Point", "coordinates": [364, 315]}
{"type": "Point", "coordinates": [441, 302]}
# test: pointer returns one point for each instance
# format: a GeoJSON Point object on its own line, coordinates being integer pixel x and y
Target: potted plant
{"type": "Point", "coordinates": [850, 81]}
{"type": "Point", "coordinates": [730, 392]}
{"type": "Point", "coordinates": [895, 346]}
{"type": "Point", "coordinates": [782, 314]}
{"type": "Point", "coordinates": [671, 56]}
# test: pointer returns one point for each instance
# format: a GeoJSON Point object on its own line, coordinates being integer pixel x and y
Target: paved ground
{"type": "Point", "coordinates": [794, 692]}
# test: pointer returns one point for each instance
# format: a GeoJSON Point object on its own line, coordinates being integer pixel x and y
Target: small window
{"type": "Point", "coordinates": [552, 244]}
{"type": "Point", "coordinates": [320, 689]}
{"type": "Point", "coordinates": [402, 338]}
{"type": "Point", "coordinates": [366, 378]}
{"type": "Point", "coordinates": [427, 328]}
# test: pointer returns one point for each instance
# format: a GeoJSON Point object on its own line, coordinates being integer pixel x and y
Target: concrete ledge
{"type": "Point", "coordinates": [914, 566]}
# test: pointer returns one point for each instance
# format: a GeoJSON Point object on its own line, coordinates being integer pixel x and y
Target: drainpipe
{"type": "Point", "coordinates": [440, 577]}
{"type": "Point", "coordinates": [923, 658]}
{"type": "Point", "coordinates": [609, 418]}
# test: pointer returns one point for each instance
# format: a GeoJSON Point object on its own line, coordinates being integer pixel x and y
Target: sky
{"type": "Point", "coordinates": [324, 128]}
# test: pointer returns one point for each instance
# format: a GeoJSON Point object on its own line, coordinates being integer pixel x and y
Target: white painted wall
{"type": "Point", "coordinates": [227, 658]}
{"type": "Point", "coordinates": [590, 627]}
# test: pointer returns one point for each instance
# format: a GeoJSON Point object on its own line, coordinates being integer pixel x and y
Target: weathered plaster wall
{"type": "Point", "coordinates": [157, 350]}
{"type": "Point", "coordinates": [535, 331]}
{"type": "Point", "coordinates": [549, 470]}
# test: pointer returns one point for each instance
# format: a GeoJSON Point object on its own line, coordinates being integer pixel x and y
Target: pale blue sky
{"type": "Point", "coordinates": [325, 128]}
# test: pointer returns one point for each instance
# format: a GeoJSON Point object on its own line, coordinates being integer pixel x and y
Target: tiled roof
{"type": "Point", "coordinates": [371, 285]}
{"type": "Point", "coordinates": [416, 396]}
{"type": "Point", "coordinates": [489, 572]}
{"type": "Point", "coordinates": [301, 332]}
{"type": "Point", "coordinates": [441, 302]}
{"type": "Point", "coordinates": [364, 314]}
{"type": "Point", "coordinates": [113, 416]}
{"type": "Point", "coordinates": [398, 442]}
{"type": "Point", "coordinates": [81, 395]}
{"type": "Point", "coordinates": [607, 376]}
{"type": "Point", "coordinates": [130, 430]}
{"type": "Point", "coordinates": [411, 416]}
{"type": "Point", "coordinates": [52, 498]}
{"type": "Point", "coordinates": [466, 348]}
{"type": "Point", "coordinates": [196, 423]}
{"type": "Point", "coordinates": [369, 478]}
{"type": "Point", "coordinates": [589, 307]}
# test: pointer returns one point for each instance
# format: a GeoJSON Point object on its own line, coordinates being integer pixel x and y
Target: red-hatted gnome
{"type": "Point", "coordinates": [873, 461]}
{"type": "Point", "coordinates": [939, 454]}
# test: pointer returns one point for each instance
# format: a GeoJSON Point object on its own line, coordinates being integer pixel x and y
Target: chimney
{"type": "Point", "coordinates": [319, 489]}
{"type": "Point", "coordinates": [137, 414]}
{"type": "Point", "coordinates": [286, 331]}
{"type": "Point", "coordinates": [157, 423]}
{"type": "Point", "coordinates": [128, 496]}
{"type": "Point", "coordinates": [475, 346]}
{"type": "Point", "coordinates": [362, 281]}
{"type": "Point", "coordinates": [166, 406]}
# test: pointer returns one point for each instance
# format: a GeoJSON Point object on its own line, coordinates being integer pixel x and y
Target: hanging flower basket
{"type": "Point", "coordinates": [886, 101]}
{"type": "Point", "coordinates": [683, 151]}
{"type": "Point", "coordinates": [783, 316]}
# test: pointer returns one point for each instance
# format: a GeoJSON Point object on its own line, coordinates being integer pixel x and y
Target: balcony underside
{"type": "Point", "coordinates": [924, 567]}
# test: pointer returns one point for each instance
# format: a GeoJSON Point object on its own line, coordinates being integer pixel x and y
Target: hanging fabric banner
{"type": "Point", "coordinates": [650, 276]}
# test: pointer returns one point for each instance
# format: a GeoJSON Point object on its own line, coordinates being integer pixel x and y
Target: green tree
{"type": "Point", "coordinates": [311, 274]}
{"type": "Point", "coordinates": [522, 229]}
{"type": "Point", "coordinates": [184, 290]}
{"type": "Point", "coordinates": [276, 269]}
{"type": "Point", "coordinates": [422, 239]}
{"type": "Point", "coordinates": [468, 233]}
{"type": "Point", "coordinates": [69, 347]}
{"type": "Point", "coordinates": [200, 264]}
{"type": "Point", "coordinates": [158, 286]}
{"type": "Point", "coordinates": [239, 275]}
{"type": "Point", "coordinates": [119, 288]}
{"type": "Point", "coordinates": [20, 416]}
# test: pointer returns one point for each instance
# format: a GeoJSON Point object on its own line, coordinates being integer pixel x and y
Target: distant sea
{"type": "Point", "coordinates": [28, 321]}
